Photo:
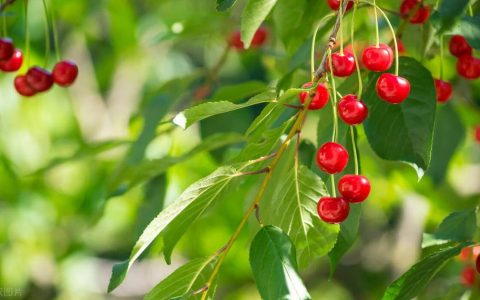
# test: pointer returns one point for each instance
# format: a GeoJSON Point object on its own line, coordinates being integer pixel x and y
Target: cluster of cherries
{"type": "Point", "coordinates": [468, 66]}
{"type": "Point", "coordinates": [471, 257]}
{"type": "Point", "coordinates": [36, 79]}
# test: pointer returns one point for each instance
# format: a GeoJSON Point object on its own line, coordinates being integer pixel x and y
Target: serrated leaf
{"type": "Point", "coordinates": [223, 5]}
{"type": "Point", "coordinates": [403, 132]}
{"type": "Point", "coordinates": [253, 16]}
{"type": "Point", "coordinates": [290, 203]}
{"type": "Point", "coordinates": [184, 281]}
{"type": "Point", "coordinates": [209, 109]}
{"type": "Point", "coordinates": [274, 266]}
{"type": "Point", "coordinates": [186, 209]}
{"type": "Point", "coordinates": [410, 284]}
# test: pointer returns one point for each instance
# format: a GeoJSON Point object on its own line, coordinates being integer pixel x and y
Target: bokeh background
{"type": "Point", "coordinates": [62, 226]}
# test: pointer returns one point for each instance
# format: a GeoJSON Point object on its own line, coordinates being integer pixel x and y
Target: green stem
{"type": "Point", "coordinates": [441, 57]}
{"type": "Point", "coordinates": [47, 33]}
{"type": "Point", "coordinates": [312, 49]}
{"type": "Point", "coordinates": [470, 10]}
{"type": "Point", "coordinates": [27, 36]}
{"type": "Point", "coordinates": [55, 33]}
{"type": "Point", "coordinates": [4, 22]}
{"type": "Point", "coordinates": [340, 11]}
{"type": "Point", "coordinates": [377, 31]}
{"type": "Point", "coordinates": [354, 146]}
{"type": "Point", "coordinates": [334, 102]}
{"type": "Point", "coordinates": [333, 187]}
{"type": "Point", "coordinates": [357, 65]}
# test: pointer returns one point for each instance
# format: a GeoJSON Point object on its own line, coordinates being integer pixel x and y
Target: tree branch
{"type": "Point", "coordinates": [5, 4]}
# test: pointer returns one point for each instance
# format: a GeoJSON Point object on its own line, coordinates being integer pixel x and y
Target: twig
{"type": "Point", "coordinates": [5, 4]}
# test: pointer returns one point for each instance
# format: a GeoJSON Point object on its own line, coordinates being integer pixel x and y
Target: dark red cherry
{"type": "Point", "coordinates": [422, 12]}
{"type": "Point", "coordinates": [65, 72]}
{"type": "Point", "coordinates": [477, 264]}
{"type": "Point", "coordinates": [468, 276]}
{"type": "Point", "coordinates": [444, 90]}
{"type": "Point", "coordinates": [22, 86]}
{"type": "Point", "coordinates": [393, 89]}
{"type": "Point", "coordinates": [351, 110]}
{"type": "Point", "coordinates": [333, 210]}
{"type": "Point", "coordinates": [332, 158]}
{"type": "Point", "coordinates": [14, 63]}
{"type": "Point", "coordinates": [319, 100]}
{"type": "Point", "coordinates": [459, 46]}
{"type": "Point", "coordinates": [354, 188]}
{"type": "Point", "coordinates": [468, 66]}
{"type": "Point", "coordinates": [6, 48]}
{"type": "Point", "coordinates": [477, 135]}
{"type": "Point", "coordinates": [335, 4]}
{"type": "Point", "coordinates": [259, 37]}
{"type": "Point", "coordinates": [343, 64]}
{"type": "Point", "coordinates": [377, 59]}
{"type": "Point", "coordinates": [39, 79]}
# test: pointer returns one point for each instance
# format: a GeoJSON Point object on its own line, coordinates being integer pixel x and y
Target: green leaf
{"type": "Point", "coordinates": [469, 27]}
{"type": "Point", "coordinates": [184, 281]}
{"type": "Point", "coordinates": [403, 132]}
{"type": "Point", "coordinates": [274, 266]}
{"type": "Point", "coordinates": [456, 227]}
{"type": "Point", "coordinates": [288, 16]}
{"type": "Point", "coordinates": [223, 5]}
{"type": "Point", "coordinates": [239, 91]}
{"type": "Point", "coordinates": [410, 284]}
{"type": "Point", "coordinates": [209, 109]}
{"type": "Point", "coordinates": [253, 15]}
{"type": "Point", "coordinates": [186, 209]}
{"type": "Point", "coordinates": [448, 135]}
{"type": "Point", "coordinates": [290, 203]}
{"type": "Point", "coordinates": [449, 11]}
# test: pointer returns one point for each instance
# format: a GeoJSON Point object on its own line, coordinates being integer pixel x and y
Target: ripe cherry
{"type": "Point", "coordinates": [39, 79]}
{"type": "Point", "coordinates": [319, 100]}
{"type": "Point", "coordinates": [335, 4]}
{"type": "Point", "coordinates": [477, 264]}
{"type": "Point", "coordinates": [6, 48]}
{"type": "Point", "coordinates": [422, 11]}
{"type": "Point", "coordinates": [401, 47]}
{"type": "Point", "coordinates": [459, 46]}
{"type": "Point", "coordinates": [332, 158]}
{"type": "Point", "coordinates": [258, 39]}
{"type": "Point", "coordinates": [333, 210]}
{"type": "Point", "coordinates": [235, 40]}
{"type": "Point", "coordinates": [393, 89]}
{"type": "Point", "coordinates": [343, 64]}
{"type": "Point", "coordinates": [65, 72]}
{"type": "Point", "coordinates": [351, 110]}
{"type": "Point", "coordinates": [14, 63]}
{"type": "Point", "coordinates": [477, 135]}
{"type": "Point", "coordinates": [22, 86]}
{"type": "Point", "coordinates": [444, 90]}
{"type": "Point", "coordinates": [468, 66]}
{"type": "Point", "coordinates": [354, 188]}
{"type": "Point", "coordinates": [465, 254]}
{"type": "Point", "coordinates": [377, 59]}
{"type": "Point", "coordinates": [468, 276]}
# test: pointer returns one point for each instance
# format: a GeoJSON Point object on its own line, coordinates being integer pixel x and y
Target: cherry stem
{"type": "Point", "coordinates": [357, 65]}
{"type": "Point", "coordinates": [377, 33]}
{"type": "Point", "coordinates": [340, 12]}
{"type": "Point", "coordinates": [312, 49]}
{"type": "Point", "coordinates": [4, 21]}
{"type": "Point", "coordinates": [47, 33]}
{"type": "Point", "coordinates": [470, 11]}
{"type": "Point", "coordinates": [56, 44]}
{"type": "Point", "coordinates": [27, 35]}
{"type": "Point", "coordinates": [354, 146]}
{"type": "Point", "coordinates": [441, 57]}
{"type": "Point", "coordinates": [334, 102]}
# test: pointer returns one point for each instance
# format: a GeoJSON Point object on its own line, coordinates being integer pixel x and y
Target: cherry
{"type": "Point", "coordinates": [422, 11]}
{"type": "Point", "coordinates": [332, 158]}
{"type": "Point", "coordinates": [354, 188]}
{"type": "Point", "coordinates": [65, 72]}
{"type": "Point", "coordinates": [377, 59]}
{"type": "Point", "coordinates": [444, 90]}
{"type": "Point", "coordinates": [351, 110]}
{"type": "Point", "coordinates": [39, 79]}
{"type": "Point", "coordinates": [22, 86]}
{"type": "Point", "coordinates": [459, 46]}
{"type": "Point", "coordinates": [465, 254]}
{"type": "Point", "coordinates": [343, 64]}
{"type": "Point", "coordinates": [14, 63]}
{"type": "Point", "coordinates": [6, 48]}
{"type": "Point", "coordinates": [468, 66]}
{"type": "Point", "coordinates": [477, 264]}
{"type": "Point", "coordinates": [401, 47]}
{"type": "Point", "coordinates": [235, 41]}
{"type": "Point", "coordinates": [468, 276]}
{"type": "Point", "coordinates": [477, 135]}
{"type": "Point", "coordinates": [393, 89]}
{"type": "Point", "coordinates": [333, 210]}
{"type": "Point", "coordinates": [335, 4]}
{"type": "Point", "coordinates": [258, 39]}
{"type": "Point", "coordinates": [319, 100]}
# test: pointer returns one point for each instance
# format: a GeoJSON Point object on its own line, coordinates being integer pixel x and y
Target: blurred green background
{"type": "Point", "coordinates": [60, 231]}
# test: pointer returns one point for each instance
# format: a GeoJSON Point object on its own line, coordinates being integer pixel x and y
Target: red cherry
{"type": "Point", "coordinates": [459, 46]}
{"type": "Point", "coordinates": [422, 14]}
{"type": "Point", "coordinates": [468, 276]}
{"type": "Point", "coordinates": [14, 63]}
{"type": "Point", "coordinates": [259, 37]}
{"type": "Point", "coordinates": [22, 86]}
{"type": "Point", "coordinates": [393, 89]}
{"type": "Point", "coordinates": [351, 110]}
{"type": "Point", "coordinates": [39, 79]}
{"type": "Point", "coordinates": [6, 48]}
{"type": "Point", "coordinates": [333, 210]}
{"type": "Point", "coordinates": [401, 47]}
{"type": "Point", "coordinates": [235, 41]}
{"type": "Point", "coordinates": [332, 158]}
{"type": "Point", "coordinates": [477, 264]}
{"type": "Point", "coordinates": [377, 59]}
{"type": "Point", "coordinates": [354, 188]}
{"type": "Point", "coordinates": [335, 4]}
{"type": "Point", "coordinates": [444, 90]}
{"type": "Point", "coordinates": [343, 65]}
{"type": "Point", "coordinates": [468, 66]}
{"type": "Point", "coordinates": [319, 100]}
{"type": "Point", "coordinates": [477, 135]}
{"type": "Point", "coordinates": [465, 254]}
{"type": "Point", "coordinates": [65, 72]}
